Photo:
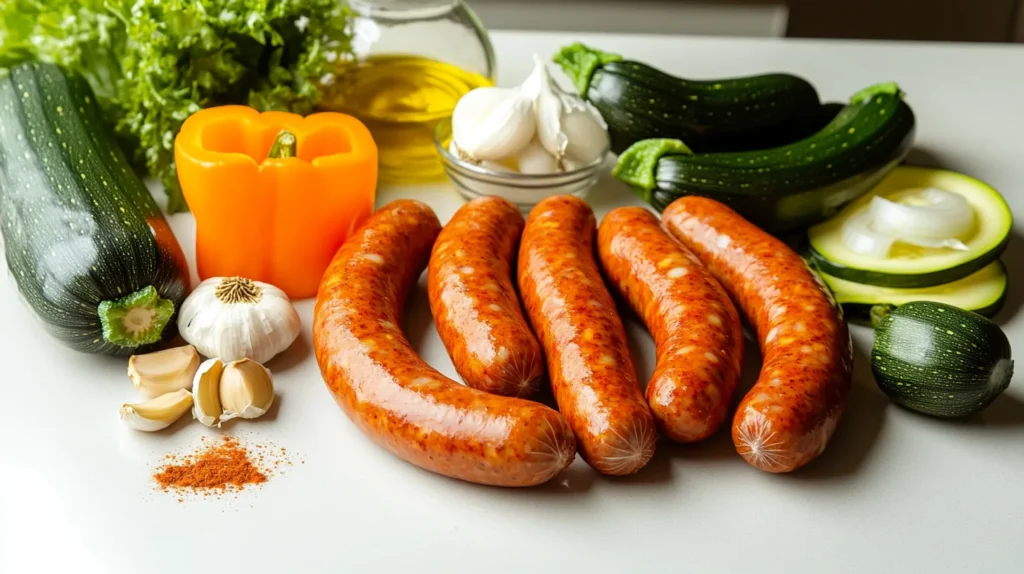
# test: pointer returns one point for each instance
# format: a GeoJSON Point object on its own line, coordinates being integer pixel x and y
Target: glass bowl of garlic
{"type": "Point", "coordinates": [524, 143]}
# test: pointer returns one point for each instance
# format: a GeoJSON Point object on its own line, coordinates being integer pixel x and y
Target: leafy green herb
{"type": "Point", "coordinates": [152, 63]}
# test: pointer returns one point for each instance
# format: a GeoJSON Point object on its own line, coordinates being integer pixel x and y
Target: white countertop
{"type": "Point", "coordinates": [894, 491]}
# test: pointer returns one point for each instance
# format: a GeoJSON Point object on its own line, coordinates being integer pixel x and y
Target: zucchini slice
{"type": "Point", "coordinates": [908, 266]}
{"type": "Point", "coordinates": [982, 292]}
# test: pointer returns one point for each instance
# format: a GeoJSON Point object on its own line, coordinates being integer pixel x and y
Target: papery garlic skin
{"type": "Point", "coordinates": [588, 139]}
{"type": "Point", "coordinates": [162, 372]}
{"type": "Point", "coordinates": [567, 125]}
{"type": "Point", "coordinates": [234, 318]}
{"type": "Point", "coordinates": [491, 165]}
{"type": "Point", "coordinates": [206, 407]}
{"type": "Point", "coordinates": [492, 123]}
{"type": "Point", "coordinates": [246, 390]}
{"type": "Point", "coordinates": [156, 414]}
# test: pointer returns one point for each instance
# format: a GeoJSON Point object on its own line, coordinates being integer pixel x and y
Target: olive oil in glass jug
{"type": "Point", "coordinates": [413, 60]}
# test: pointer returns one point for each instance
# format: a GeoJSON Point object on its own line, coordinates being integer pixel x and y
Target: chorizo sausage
{"type": "Point", "coordinates": [583, 339]}
{"type": "Point", "coordinates": [790, 414]}
{"type": "Point", "coordinates": [474, 301]}
{"type": "Point", "coordinates": [397, 399]}
{"type": "Point", "coordinates": [695, 326]}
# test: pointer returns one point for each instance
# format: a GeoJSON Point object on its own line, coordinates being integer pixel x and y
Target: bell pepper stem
{"type": "Point", "coordinates": [284, 145]}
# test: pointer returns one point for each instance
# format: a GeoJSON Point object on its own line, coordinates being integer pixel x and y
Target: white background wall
{"type": "Point", "coordinates": [649, 16]}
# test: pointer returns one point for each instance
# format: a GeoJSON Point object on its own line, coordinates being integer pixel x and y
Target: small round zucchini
{"type": "Point", "coordinates": [938, 359]}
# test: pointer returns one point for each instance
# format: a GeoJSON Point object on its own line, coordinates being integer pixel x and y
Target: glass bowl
{"type": "Point", "coordinates": [525, 190]}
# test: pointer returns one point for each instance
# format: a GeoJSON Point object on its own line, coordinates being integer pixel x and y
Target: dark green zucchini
{"type": "Point", "coordinates": [88, 246]}
{"type": "Point", "coordinates": [789, 187]}
{"type": "Point", "coordinates": [982, 292]}
{"type": "Point", "coordinates": [640, 102]}
{"type": "Point", "coordinates": [938, 359]}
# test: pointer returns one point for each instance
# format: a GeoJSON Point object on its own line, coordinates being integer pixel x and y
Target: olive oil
{"type": "Point", "coordinates": [401, 99]}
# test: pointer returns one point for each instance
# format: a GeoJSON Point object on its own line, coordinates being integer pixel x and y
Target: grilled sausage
{"type": "Point", "coordinates": [474, 302]}
{"type": "Point", "coordinates": [392, 395]}
{"type": "Point", "coordinates": [583, 339]}
{"type": "Point", "coordinates": [695, 326]}
{"type": "Point", "coordinates": [788, 417]}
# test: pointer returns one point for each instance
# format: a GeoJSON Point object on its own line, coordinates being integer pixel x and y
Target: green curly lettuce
{"type": "Point", "coordinates": [152, 63]}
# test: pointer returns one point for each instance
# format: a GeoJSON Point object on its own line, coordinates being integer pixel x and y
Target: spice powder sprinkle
{"type": "Point", "coordinates": [222, 466]}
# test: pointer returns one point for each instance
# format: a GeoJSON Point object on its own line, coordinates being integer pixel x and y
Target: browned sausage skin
{"type": "Point", "coordinates": [695, 326]}
{"type": "Point", "coordinates": [583, 339]}
{"type": "Point", "coordinates": [392, 395]}
{"type": "Point", "coordinates": [474, 302]}
{"type": "Point", "coordinates": [788, 417]}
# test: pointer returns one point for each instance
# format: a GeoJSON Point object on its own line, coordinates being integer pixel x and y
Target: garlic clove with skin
{"type": "Point", "coordinates": [534, 159]}
{"type": "Point", "coordinates": [162, 372]}
{"type": "Point", "coordinates": [492, 123]}
{"type": "Point", "coordinates": [206, 406]}
{"type": "Point", "coordinates": [157, 414]}
{"type": "Point", "coordinates": [235, 318]}
{"type": "Point", "coordinates": [246, 390]}
{"type": "Point", "coordinates": [567, 125]}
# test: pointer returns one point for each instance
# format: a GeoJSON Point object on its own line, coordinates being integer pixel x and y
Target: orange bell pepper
{"type": "Point", "coordinates": [274, 194]}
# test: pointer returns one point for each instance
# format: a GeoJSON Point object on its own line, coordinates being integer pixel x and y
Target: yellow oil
{"type": "Point", "coordinates": [401, 99]}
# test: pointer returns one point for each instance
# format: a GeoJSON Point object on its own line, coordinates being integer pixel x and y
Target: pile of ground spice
{"type": "Point", "coordinates": [223, 465]}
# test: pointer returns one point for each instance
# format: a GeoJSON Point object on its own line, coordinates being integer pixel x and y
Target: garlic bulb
{"type": "Point", "coordinates": [492, 123]}
{"type": "Point", "coordinates": [234, 318]}
{"type": "Point", "coordinates": [567, 125]}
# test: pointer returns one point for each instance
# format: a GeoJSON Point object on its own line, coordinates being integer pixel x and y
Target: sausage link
{"type": "Point", "coordinates": [695, 326]}
{"type": "Point", "coordinates": [474, 302]}
{"type": "Point", "coordinates": [788, 417]}
{"type": "Point", "coordinates": [584, 341]}
{"type": "Point", "coordinates": [397, 399]}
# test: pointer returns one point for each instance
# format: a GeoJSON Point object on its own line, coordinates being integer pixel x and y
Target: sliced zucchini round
{"type": "Point", "coordinates": [908, 266]}
{"type": "Point", "coordinates": [982, 292]}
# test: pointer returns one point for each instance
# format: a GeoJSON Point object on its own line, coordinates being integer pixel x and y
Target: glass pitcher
{"type": "Point", "coordinates": [413, 60]}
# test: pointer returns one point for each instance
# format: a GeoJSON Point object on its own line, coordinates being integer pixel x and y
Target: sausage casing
{"type": "Point", "coordinates": [695, 326]}
{"type": "Point", "coordinates": [788, 417]}
{"type": "Point", "coordinates": [397, 399]}
{"type": "Point", "coordinates": [474, 301]}
{"type": "Point", "coordinates": [574, 316]}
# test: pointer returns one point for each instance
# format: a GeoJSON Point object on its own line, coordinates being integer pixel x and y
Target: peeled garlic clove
{"type": "Point", "coordinates": [246, 390]}
{"type": "Point", "coordinates": [159, 413]}
{"type": "Point", "coordinates": [234, 318]}
{"type": "Point", "coordinates": [206, 393]}
{"type": "Point", "coordinates": [489, 127]}
{"type": "Point", "coordinates": [162, 372]}
{"type": "Point", "coordinates": [534, 159]}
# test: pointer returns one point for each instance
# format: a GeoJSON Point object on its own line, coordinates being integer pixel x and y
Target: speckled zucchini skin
{"type": "Point", "coordinates": [788, 187]}
{"type": "Point", "coordinates": [755, 112]}
{"type": "Point", "coordinates": [940, 360]}
{"type": "Point", "coordinates": [79, 226]}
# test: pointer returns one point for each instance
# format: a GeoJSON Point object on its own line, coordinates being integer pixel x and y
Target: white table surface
{"type": "Point", "coordinates": [894, 492]}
